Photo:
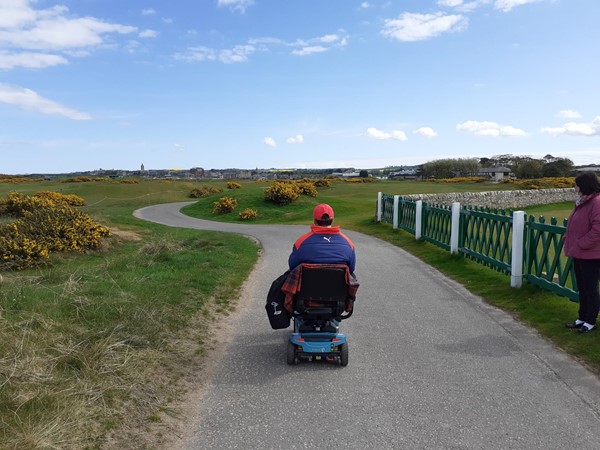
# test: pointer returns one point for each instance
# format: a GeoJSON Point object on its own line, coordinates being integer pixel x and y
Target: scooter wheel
{"type": "Point", "coordinates": [344, 354]}
{"type": "Point", "coordinates": [291, 354]}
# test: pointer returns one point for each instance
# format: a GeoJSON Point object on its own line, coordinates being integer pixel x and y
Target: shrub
{"type": "Point", "coordinates": [57, 197]}
{"type": "Point", "coordinates": [322, 182]}
{"type": "Point", "coordinates": [224, 205]}
{"type": "Point", "coordinates": [46, 223]}
{"type": "Point", "coordinates": [18, 251]}
{"type": "Point", "coordinates": [205, 191]}
{"type": "Point", "coordinates": [15, 179]}
{"type": "Point", "coordinates": [129, 182]}
{"type": "Point", "coordinates": [282, 193]}
{"type": "Point", "coordinates": [360, 180]}
{"type": "Point", "coordinates": [83, 179]}
{"type": "Point", "coordinates": [200, 192]}
{"type": "Point", "coordinates": [307, 187]}
{"type": "Point", "coordinates": [233, 185]}
{"type": "Point", "coordinates": [457, 180]}
{"type": "Point", "coordinates": [544, 183]}
{"type": "Point", "coordinates": [248, 214]}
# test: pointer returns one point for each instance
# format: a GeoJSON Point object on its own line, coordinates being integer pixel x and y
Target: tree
{"type": "Point", "coordinates": [450, 168]}
{"type": "Point", "coordinates": [558, 167]}
{"type": "Point", "coordinates": [363, 174]}
{"type": "Point", "coordinates": [528, 168]}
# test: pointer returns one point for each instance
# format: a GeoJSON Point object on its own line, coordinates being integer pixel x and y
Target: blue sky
{"type": "Point", "coordinates": [113, 84]}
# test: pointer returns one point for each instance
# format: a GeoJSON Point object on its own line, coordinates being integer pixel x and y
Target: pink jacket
{"type": "Point", "coordinates": [582, 238]}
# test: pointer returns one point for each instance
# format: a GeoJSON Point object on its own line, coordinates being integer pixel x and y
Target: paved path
{"type": "Point", "coordinates": [431, 367]}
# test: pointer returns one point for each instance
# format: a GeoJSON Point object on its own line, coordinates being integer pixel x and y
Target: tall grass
{"type": "Point", "coordinates": [92, 346]}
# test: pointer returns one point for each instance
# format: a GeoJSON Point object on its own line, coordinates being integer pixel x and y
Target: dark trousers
{"type": "Point", "coordinates": [587, 275]}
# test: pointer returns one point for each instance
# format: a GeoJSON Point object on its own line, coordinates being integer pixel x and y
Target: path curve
{"type": "Point", "coordinates": [431, 366]}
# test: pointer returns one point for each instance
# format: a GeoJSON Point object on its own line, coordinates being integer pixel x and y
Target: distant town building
{"type": "Point", "coordinates": [496, 173]}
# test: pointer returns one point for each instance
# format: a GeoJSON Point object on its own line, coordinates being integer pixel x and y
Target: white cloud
{"type": "Point", "coordinates": [450, 3]}
{"type": "Point", "coordinates": [55, 32]}
{"type": "Point", "coordinates": [508, 5]}
{"type": "Point", "coordinates": [29, 100]}
{"type": "Point", "coordinates": [568, 114]}
{"type": "Point", "coordinates": [461, 5]}
{"type": "Point", "coordinates": [237, 54]}
{"type": "Point", "coordinates": [199, 53]}
{"type": "Point", "coordinates": [410, 27]}
{"type": "Point", "coordinates": [375, 133]}
{"type": "Point", "coordinates": [298, 139]}
{"type": "Point", "coordinates": [328, 38]}
{"type": "Point", "coordinates": [240, 53]}
{"type": "Point", "coordinates": [575, 129]}
{"type": "Point", "coordinates": [365, 5]}
{"type": "Point", "coordinates": [52, 31]}
{"type": "Point", "coordinates": [30, 60]}
{"type": "Point", "coordinates": [426, 132]}
{"type": "Point", "coordinates": [148, 34]}
{"type": "Point", "coordinates": [148, 12]}
{"type": "Point", "coordinates": [270, 141]}
{"type": "Point", "coordinates": [229, 56]}
{"type": "Point", "coordinates": [309, 50]}
{"type": "Point", "coordinates": [320, 44]}
{"type": "Point", "coordinates": [236, 5]}
{"type": "Point", "coordinates": [489, 129]}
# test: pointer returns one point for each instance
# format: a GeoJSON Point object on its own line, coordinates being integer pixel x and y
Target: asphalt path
{"type": "Point", "coordinates": [431, 366]}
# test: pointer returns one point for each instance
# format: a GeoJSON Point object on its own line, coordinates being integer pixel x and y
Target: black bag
{"type": "Point", "coordinates": [279, 317]}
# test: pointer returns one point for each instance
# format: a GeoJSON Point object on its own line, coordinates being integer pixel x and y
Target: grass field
{"type": "Point", "coordinates": [96, 346]}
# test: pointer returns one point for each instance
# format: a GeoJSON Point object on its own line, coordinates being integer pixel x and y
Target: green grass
{"type": "Point", "coordinates": [93, 346]}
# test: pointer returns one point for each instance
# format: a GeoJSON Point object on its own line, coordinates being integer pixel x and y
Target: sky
{"type": "Point", "coordinates": [113, 84]}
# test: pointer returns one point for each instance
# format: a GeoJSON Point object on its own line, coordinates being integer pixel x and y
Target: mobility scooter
{"type": "Point", "coordinates": [325, 298]}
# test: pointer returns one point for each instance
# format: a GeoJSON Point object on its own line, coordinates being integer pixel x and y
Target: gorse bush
{"type": "Point", "coordinates": [15, 179]}
{"type": "Point", "coordinates": [57, 197]}
{"type": "Point", "coordinates": [224, 205]}
{"type": "Point", "coordinates": [45, 223]}
{"type": "Point", "coordinates": [205, 191]}
{"type": "Point", "coordinates": [233, 185]}
{"type": "Point", "coordinates": [544, 183]}
{"type": "Point", "coordinates": [248, 214]}
{"type": "Point", "coordinates": [322, 182]}
{"type": "Point", "coordinates": [282, 193]}
{"type": "Point", "coordinates": [307, 187]}
{"type": "Point", "coordinates": [83, 179]}
{"type": "Point", "coordinates": [457, 180]}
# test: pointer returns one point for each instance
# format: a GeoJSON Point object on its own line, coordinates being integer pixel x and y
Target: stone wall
{"type": "Point", "coordinates": [499, 199]}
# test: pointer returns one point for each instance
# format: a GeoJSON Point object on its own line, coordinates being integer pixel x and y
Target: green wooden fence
{"type": "Point", "coordinates": [485, 236]}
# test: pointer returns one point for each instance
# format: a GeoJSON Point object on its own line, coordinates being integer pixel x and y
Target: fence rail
{"type": "Point", "coordinates": [532, 250]}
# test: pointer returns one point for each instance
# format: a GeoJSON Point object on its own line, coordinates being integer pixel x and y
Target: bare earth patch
{"type": "Point", "coordinates": [125, 235]}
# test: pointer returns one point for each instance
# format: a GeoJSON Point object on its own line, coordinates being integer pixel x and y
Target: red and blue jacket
{"type": "Point", "coordinates": [323, 245]}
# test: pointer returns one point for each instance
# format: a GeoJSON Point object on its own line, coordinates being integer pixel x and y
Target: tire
{"type": "Point", "coordinates": [291, 354]}
{"type": "Point", "coordinates": [344, 354]}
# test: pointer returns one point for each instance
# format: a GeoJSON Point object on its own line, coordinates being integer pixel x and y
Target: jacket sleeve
{"type": "Point", "coordinates": [294, 259]}
{"type": "Point", "coordinates": [352, 265]}
{"type": "Point", "coordinates": [591, 239]}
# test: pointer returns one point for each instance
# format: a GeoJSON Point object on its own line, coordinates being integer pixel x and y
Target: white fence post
{"type": "Point", "coordinates": [396, 211]}
{"type": "Point", "coordinates": [455, 225]}
{"type": "Point", "coordinates": [418, 219]}
{"type": "Point", "coordinates": [516, 265]}
{"type": "Point", "coordinates": [379, 206]}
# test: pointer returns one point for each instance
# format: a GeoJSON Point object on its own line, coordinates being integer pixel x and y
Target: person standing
{"type": "Point", "coordinates": [582, 245]}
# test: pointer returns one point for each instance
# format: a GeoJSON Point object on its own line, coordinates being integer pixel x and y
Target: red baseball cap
{"type": "Point", "coordinates": [321, 210]}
